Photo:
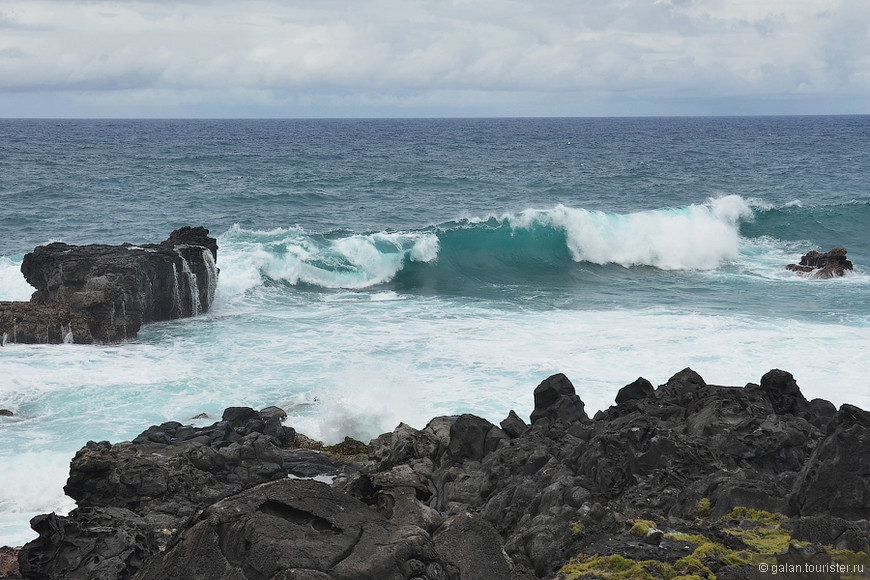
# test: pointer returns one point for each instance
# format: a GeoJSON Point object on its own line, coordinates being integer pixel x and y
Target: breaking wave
{"type": "Point", "coordinates": [511, 247]}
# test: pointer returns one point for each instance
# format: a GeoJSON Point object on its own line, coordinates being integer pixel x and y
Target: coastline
{"type": "Point", "coordinates": [645, 480]}
{"type": "Point", "coordinates": [423, 270]}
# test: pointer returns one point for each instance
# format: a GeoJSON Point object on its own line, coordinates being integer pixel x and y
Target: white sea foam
{"type": "Point", "coordinates": [694, 237]}
{"type": "Point", "coordinates": [30, 485]}
{"type": "Point", "coordinates": [13, 286]}
{"type": "Point", "coordinates": [385, 296]}
{"type": "Point", "coordinates": [292, 256]}
{"type": "Point", "coordinates": [358, 367]}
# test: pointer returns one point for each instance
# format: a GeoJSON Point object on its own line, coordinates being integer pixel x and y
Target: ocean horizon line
{"type": "Point", "coordinates": [443, 118]}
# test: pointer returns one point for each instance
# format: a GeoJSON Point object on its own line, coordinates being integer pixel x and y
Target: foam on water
{"type": "Point", "coordinates": [13, 286]}
{"type": "Point", "coordinates": [350, 261]}
{"type": "Point", "coordinates": [358, 367]}
{"type": "Point", "coordinates": [692, 237]}
{"type": "Point", "coordinates": [30, 487]}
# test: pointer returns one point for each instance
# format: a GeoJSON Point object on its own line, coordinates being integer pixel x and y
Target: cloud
{"type": "Point", "coordinates": [275, 53]}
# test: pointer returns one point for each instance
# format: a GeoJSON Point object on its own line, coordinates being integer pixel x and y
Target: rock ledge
{"type": "Point", "coordinates": [103, 294]}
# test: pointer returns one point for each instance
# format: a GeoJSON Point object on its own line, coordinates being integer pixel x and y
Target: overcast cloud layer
{"type": "Point", "coordinates": [362, 58]}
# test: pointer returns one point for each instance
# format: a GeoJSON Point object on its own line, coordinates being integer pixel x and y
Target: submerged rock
{"type": "Point", "coordinates": [100, 293]}
{"type": "Point", "coordinates": [823, 265]}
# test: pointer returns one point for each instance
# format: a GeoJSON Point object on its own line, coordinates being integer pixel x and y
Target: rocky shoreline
{"type": "Point", "coordinates": [686, 480]}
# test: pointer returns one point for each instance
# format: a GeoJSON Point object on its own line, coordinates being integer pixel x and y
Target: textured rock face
{"type": "Point", "coordinates": [462, 498]}
{"type": "Point", "coordinates": [655, 454]}
{"type": "Point", "coordinates": [823, 265]}
{"type": "Point", "coordinates": [836, 479]}
{"type": "Point", "coordinates": [297, 529]}
{"type": "Point", "coordinates": [556, 399]}
{"type": "Point", "coordinates": [104, 294]}
{"type": "Point", "coordinates": [133, 498]}
{"type": "Point", "coordinates": [8, 562]}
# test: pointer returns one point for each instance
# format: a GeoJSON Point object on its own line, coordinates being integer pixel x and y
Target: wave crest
{"type": "Point", "coordinates": [514, 246]}
{"type": "Point", "coordinates": [693, 237]}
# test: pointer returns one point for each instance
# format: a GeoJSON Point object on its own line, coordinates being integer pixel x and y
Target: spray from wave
{"type": "Point", "coordinates": [511, 247]}
{"type": "Point", "coordinates": [13, 286]}
{"type": "Point", "coordinates": [696, 237]}
{"type": "Point", "coordinates": [330, 261]}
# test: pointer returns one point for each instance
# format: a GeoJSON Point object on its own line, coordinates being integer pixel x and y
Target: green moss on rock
{"type": "Point", "coordinates": [703, 510]}
{"type": "Point", "coordinates": [641, 527]}
{"type": "Point", "coordinates": [614, 567]}
{"type": "Point", "coordinates": [760, 531]}
{"type": "Point", "coordinates": [744, 513]}
{"type": "Point", "coordinates": [696, 539]}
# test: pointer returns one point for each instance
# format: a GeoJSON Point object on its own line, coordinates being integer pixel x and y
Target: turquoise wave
{"type": "Point", "coordinates": [529, 246]}
{"type": "Point", "coordinates": [537, 247]}
{"type": "Point", "coordinates": [822, 227]}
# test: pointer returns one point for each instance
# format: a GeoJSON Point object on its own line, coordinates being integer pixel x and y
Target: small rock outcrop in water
{"type": "Point", "coordinates": [104, 294]}
{"type": "Point", "coordinates": [673, 478]}
{"type": "Point", "coordinates": [823, 265]}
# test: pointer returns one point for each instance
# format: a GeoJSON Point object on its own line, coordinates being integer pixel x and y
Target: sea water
{"type": "Point", "coordinates": [382, 271]}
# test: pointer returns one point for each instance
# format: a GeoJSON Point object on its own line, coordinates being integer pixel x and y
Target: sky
{"type": "Point", "coordinates": [432, 58]}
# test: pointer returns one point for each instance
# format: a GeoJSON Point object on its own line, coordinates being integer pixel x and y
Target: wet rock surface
{"type": "Point", "coordinates": [822, 265]}
{"type": "Point", "coordinates": [462, 498]}
{"type": "Point", "coordinates": [100, 293]}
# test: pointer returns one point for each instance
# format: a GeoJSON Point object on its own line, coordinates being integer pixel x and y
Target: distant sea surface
{"type": "Point", "coordinates": [378, 271]}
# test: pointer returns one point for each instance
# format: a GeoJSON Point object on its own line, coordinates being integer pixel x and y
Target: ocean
{"type": "Point", "coordinates": [382, 271]}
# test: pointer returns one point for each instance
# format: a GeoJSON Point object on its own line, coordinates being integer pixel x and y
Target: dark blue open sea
{"type": "Point", "coordinates": [378, 271]}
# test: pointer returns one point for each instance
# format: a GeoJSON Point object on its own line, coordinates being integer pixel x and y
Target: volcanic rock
{"type": "Point", "coordinates": [100, 293]}
{"type": "Point", "coordinates": [823, 265]}
{"type": "Point", "coordinates": [350, 447]}
{"type": "Point", "coordinates": [472, 546]}
{"type": "Point", "coordinates": [513, 425]}
{"type": "Point", "coordinates": [8, 562]}
{"type": "Point", "coordinates": [133, 498]}
{"type": "Point", "coordinates": [91, 543]}
{"type": "Point", "coordinates": [831, 531]}
{"type": "Point", "coordinates": [836, 478]}
{"type": "Point", "coordinates": [462, 498]}
{"type": "Point", "coordinates": [555, 398]}
{"type": "Point", "coordinates": [782, 391]}
{"type": "Point", "coordinates": [639, 389]}
{"type": "Point", "coordinates": [297, 529]}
